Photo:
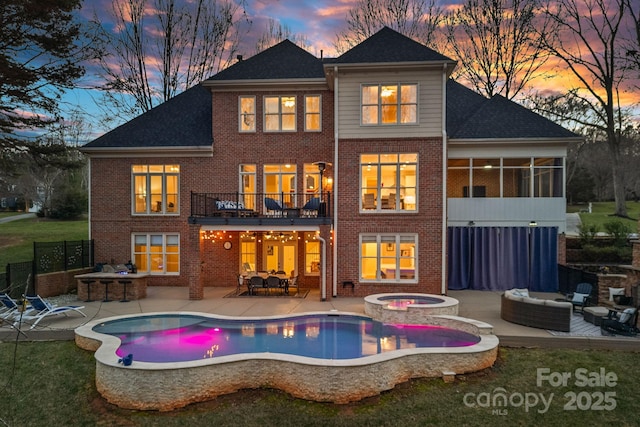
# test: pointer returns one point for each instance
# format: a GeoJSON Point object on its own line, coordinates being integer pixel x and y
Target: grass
{"type": "Point", "coordinates": [17, 237]}
{"type": "Point", "coordinates": [602, 212]}
{"type": "Point", "coordinates": [53, 383]}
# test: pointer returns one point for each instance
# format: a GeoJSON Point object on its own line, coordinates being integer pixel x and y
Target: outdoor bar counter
{"type": "Point", "coordinates": [111, 286]}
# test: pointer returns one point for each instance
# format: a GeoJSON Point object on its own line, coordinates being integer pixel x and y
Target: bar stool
{"type": "Point", "coordinates": [124, 284]}
{"type": "Point", "coordinates": [106, 289]}
{"type": "Point", "coordinates": [88, 283]}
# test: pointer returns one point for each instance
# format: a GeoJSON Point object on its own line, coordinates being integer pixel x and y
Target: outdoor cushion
{"type": "Point", "coordinates": [520, 292]}
{"type": "Point", "coordinates": [579, 298]}
{"type": "Point", "coordinates": [228, 204]}
{"type": "Point", "coordinates": [552, 303]}
{"type": "Point", "coordinates": [535, 301]}
{"type": "Point", "coordinates": [615, 291]}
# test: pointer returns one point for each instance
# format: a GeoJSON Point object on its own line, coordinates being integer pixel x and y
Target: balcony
{"type": "Point", "coordinates": [248, 209]}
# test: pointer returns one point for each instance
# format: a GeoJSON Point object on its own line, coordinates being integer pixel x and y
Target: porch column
{"type": "Point", "coordinates": [193, 263]}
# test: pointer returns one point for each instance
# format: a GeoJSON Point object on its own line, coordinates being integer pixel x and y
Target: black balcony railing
{"type": "Point", "coordinates": [261, 205]}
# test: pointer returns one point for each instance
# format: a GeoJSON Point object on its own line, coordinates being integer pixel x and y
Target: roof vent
{"type": "Point", "coordinates": [239, 57]}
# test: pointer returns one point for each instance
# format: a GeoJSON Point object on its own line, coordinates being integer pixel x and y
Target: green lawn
{"type": "Point", "coordinates": [602, 212]}
{"type": "Point", "coordinates": [52, 383]}
{"type": "Point", "coordinates": [17, 237]}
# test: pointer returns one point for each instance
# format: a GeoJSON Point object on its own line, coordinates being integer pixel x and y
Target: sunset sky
{"type": "Point", "coordinates": [318, 20]}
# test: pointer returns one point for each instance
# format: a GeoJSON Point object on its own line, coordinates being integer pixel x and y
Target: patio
{"type": "Point", "coordinates": [478, 305]}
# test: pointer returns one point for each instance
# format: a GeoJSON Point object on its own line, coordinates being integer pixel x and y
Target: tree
{"type": "Point", "coordinates": [497, 44]}
{"type": "Point", "coordinates": [40, 53]}
{"type": "Point", "coordinates": [588, 44]}
{"type": "Point", "coordinates": [275, 33]}
{"type": "Point", "coordinates": [163, 47]}
{"type": "Point", "coordinates": [418, 19]}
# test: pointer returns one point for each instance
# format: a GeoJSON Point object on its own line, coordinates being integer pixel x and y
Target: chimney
{"type": "Point", "coordinates": [239, 57]}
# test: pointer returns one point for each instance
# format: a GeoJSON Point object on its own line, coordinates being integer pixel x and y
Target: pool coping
{"type": "Point", "coordinates": [167, 386]}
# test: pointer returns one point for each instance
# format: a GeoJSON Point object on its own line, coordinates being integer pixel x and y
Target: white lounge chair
{"type": "Point", "coordinates": [41, 309]}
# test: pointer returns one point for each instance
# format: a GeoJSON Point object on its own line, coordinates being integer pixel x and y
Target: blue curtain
{"type": "Point", "coordinates": [459, 242]}
{"type": "Point", "coordinates": [500, 258]}
{"type": "Point", "coordinates": [543, 276]}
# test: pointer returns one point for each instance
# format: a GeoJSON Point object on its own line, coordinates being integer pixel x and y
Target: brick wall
{"type": "Point", "coordinates": [426, 222]}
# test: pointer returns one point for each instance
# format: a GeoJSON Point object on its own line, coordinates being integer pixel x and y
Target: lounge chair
{"type": "Point", "coordinates": [310, 209]}
{"type": "Point", "coordinates": [10, 307]}
{"type": "Point", "coordinates": [624, 323]}
{"type": "Point", "coordinates": [581, 298]}
{"type": "Point", "coordinates": [41, 309]}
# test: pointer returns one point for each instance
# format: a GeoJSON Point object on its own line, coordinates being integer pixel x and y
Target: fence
{"type": "Point", "coordinates": [569, 277]}
{"type": "Point", "coordinates": [48, 257]}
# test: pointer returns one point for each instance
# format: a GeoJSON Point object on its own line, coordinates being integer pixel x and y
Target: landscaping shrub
{"type": "Point", "coordinates": [618, 231]}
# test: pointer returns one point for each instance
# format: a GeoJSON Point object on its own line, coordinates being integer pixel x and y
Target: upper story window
{"type": "Point", "coordinates": [506, 177]}
{"type": "Point", "coordinates": [247, 117]}
{"type": "Point", "coordinates": [312, 116]}
{"type": "Point", "coordinates": [155, 189]}
{"type": "Point", "coordinates": [279, 113]}
{"type": "Point", "coordinates": [389, 104]}
{"type": "Point", "coordinates": [388, 182]}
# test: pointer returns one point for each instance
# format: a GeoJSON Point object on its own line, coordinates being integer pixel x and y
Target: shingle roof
{"type": "Point", "coordinates": [388, 45]}
{"type": "Point", "coordinates": [282, 61]}
{"type": "Point", "coordinates": [472, 116]}
{"type": "Point", "coordinates": [182, 121]}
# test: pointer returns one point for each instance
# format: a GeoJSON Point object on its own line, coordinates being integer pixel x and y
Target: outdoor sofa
{"type": "Point", "coordinates": [534, 312]}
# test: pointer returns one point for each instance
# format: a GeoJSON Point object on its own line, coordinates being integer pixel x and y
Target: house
{"type": "Point", "coordinates": [370, 172]}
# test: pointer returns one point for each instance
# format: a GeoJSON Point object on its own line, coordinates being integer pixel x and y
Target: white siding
{"type": "Point", "coordinates": [429, 105]}
{"type": "Point", "coordinates": [510, 212]}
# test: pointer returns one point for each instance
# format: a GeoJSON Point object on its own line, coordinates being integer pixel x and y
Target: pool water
{"type": "Point", "coordinates": [179, 337]}
{"type": "Point", "coordinates": [402, 301]}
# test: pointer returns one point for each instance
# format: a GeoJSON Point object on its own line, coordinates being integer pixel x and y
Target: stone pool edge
{"type": "Point", "coordinates": [168, 386]}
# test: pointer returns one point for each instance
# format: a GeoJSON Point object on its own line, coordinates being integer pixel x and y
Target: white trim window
{"type": "Point", "coordinates": [389, 104]}
{"type": "Point", "coordinates": [312, 113]}
{"type": "Point", "coordinates": [388, 182]}
{"type": "Point", "coordinates": [247, 114]}
{"type": "Point", "coordinates": [279, 113]}
{"type": "Point", "coordinates": [155, 189]}
{"type": "Point", "coordinates": [388, 258]}
{"type": "Point", "coordinates": [157, 254]}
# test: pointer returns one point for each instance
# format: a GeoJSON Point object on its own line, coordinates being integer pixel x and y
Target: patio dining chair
{"type": "Point", "coordinates": [255, 283]}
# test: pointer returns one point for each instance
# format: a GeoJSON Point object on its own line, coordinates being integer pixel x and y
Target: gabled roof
{"type": "Point", "coordinates": [182, 121]}
{"type": "Point", "coordinates": [282, 61]}
{"type": "Point", "coordinates": [472, 116]}
{"type": "Point", "coordinates": [388, 45]}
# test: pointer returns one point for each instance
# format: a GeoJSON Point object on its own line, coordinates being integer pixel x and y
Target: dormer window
{"type": "Point", "coordinates": [389, 104]}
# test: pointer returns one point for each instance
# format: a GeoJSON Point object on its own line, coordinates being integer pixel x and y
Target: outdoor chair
{"type": "Point", "coordinates": [581, 298]}
{"type": "Point", "coordinates": [273, 207]}
{"type": "Point", "coordinates": [293, 283]}
{"type": "Point", "coordinates": [625, 323]}
{"type": "Point", "coordinates": [256, 282]}
{"type": "Point", "coordinates": [274, 282]}
{"type": "Point", "coordinates": [10, 307]}
{"type": "Point", "coordinates": [41, 309]}
{"type": "Point", "coordinates": [310, 209]}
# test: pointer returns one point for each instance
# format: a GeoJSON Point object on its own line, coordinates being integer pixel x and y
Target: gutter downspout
{"type": "Point", "coordinates": [323, 267]}
{"type": "Point", "coordinates": [443, 289]}
{"type": "Point", "coordinates": [89, 198]}
{"type": "Point", "coordinates": [336, 134]}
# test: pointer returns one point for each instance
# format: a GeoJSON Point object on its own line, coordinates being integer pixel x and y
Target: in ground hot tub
{"type": "Point", "coordinates": [412, 308]}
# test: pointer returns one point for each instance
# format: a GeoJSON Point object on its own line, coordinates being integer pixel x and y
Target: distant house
{"type": "Point", "coordinates": [372, 169]}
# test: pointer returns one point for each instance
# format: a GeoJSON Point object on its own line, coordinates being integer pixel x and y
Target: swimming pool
{"type": "Point", "coordinates": [181, 338]}
{"type": "Point", "coordinates": [324, 356]}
